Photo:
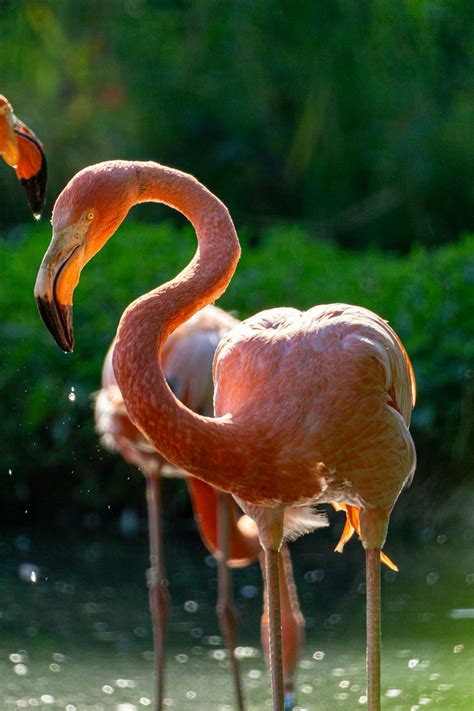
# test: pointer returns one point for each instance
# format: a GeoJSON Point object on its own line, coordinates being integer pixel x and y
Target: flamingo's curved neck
{"type": "Point", "coordinates": [198, 444]}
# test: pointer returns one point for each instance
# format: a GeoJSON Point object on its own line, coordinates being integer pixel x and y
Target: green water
{"type": "Point", "coordinates": [79, 638]}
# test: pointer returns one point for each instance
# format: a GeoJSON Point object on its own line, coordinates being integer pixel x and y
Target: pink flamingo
{"type": "Point", "coordinates": [231, 538]}
{"type": "Point", "coordinates": [310, 406]}
{"type": "Point", "coordinates": [22, 150]}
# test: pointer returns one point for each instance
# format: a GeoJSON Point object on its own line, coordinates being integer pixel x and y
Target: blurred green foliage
{"type": "Point", "coordinates": [50, 456]}
{"type": "Point", "coordinates": [352, 117]}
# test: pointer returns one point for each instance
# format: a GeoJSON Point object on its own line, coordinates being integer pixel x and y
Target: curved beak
{"type": "Point", "coordinates": [57, 278]}
{"type": "Point", "coordinates": [21, 148]}
{"type": "Point", "coordinates": [31, 168]}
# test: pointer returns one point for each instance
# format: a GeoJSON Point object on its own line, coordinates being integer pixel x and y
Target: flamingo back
{"type": "Point", "coordinates": [334, 389]}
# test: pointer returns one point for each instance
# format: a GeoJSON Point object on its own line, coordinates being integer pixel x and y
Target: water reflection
{"type": "Point", "coordinates": [79, 639]}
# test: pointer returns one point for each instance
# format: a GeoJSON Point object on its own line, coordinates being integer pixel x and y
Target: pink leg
{"type": "Point", "coordinates": [225, 607]}
{"type": "Point", "coordinates": [372, 567]}
{"type": "Point", "coordinates": [157, 583]}
{"type": "Point", "coordinates": [273, 602]}
{"type": "Point", "coordinates": [270, 530]}
{"type": "Point", "coordinates": [292, 624]}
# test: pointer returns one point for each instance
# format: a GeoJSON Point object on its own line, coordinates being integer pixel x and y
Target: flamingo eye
{"type": "Point", "coordinates": [90, 214]}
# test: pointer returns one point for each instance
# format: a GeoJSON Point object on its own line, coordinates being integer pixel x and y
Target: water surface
{"type": "Point", "coordinates": [75, 632]}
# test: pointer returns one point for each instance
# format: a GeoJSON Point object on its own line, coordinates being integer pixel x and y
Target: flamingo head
{"type": "Point", "coordinates": [86, 214]}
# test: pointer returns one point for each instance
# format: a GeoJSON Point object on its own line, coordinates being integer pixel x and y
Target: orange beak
{"type": "Point", "coordinates": [23, 150]}
{"type": "Point", "coordinates": [57, 278]}
{"type": "Point", "coordinates": [32, 169]}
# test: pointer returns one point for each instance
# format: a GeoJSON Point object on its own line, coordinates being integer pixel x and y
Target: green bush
{"type": "Point", "coordinates": [47, 441]}
{"type": "Point", "coordinates": [353, 116]}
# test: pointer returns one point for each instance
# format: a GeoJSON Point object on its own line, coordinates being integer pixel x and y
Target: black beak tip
{"type": "Point", "coordinates": [36, 191]}
{"type": "Point", "coordinates": [58, 320]}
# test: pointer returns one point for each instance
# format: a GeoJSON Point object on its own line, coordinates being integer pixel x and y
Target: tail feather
{"type": "Point", "coordinates": [352, 526]}
{"type": "Point", "coordinates": [300, 520]}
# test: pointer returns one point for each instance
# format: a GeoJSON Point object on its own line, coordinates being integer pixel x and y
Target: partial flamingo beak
{"type": "Point", "coordinates": [32, 169]}
{"type": "Point", "coordinates": [57, 278]}
{"type": "Point", "coordinates": [57, 318]}
{"type": "Point", "coordinates": [23, 151]}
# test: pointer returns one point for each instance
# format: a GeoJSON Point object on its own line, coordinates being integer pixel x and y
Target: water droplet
{"type": "Point", "coordinates": [413, 663]}
{"type": "Point", "coordinates": [214, 640]}
{"type": "Point", "coordinates": [458, 648]}
{"type": "Point", "coordinates": [72, 395]}
{"type": "Point", "coordinates": [47, 699]}
{"type": "Point", "coordinates": [191, 606]}
{"type": "Point", "coordinates": [16, 658]}
{"type": "Point", "coordinates": [20, 669]}
{"type": "Point", "coordinates": [393, 693]}
{"type": "Point", "coordinates": [55, 667]}
{"type": "Point", "coordinates": [107, 689]}
{"type": "Point", "coordinates": [182, 658]}
{"type": "Point", "coordinates": [191, 694]}
{"type": "Point", "coordinates": [318, 656]}
{"type": "Point", "coordinates": [246, 652]}
{"type": "Point", "coordinates": [145, 701]}
{"type": "Point", "coordinates": [432, 578]}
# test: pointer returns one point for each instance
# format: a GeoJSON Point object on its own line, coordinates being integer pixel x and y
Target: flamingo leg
{"type": "Point", "coordinates": [157, 583]}
{"type": "Point", "coordinates": [272, 578]}
{"type": "Point", "coordinates": [292, 625]}
{"type": "Point", "coordinates": [225, 609]}
{"type": "Point", "coordinates": [270, 530]}
{"type": "Point", "coordinates": [373, 596]}
{"type": "Point", "coordinates": [292, 645]}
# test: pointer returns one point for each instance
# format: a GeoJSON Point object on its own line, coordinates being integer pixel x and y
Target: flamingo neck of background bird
{"type": "Point", "coordinates": [199, 445]}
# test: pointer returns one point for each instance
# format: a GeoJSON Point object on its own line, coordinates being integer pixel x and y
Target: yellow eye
{"type": "Point", "coordinates": [90, 214]}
